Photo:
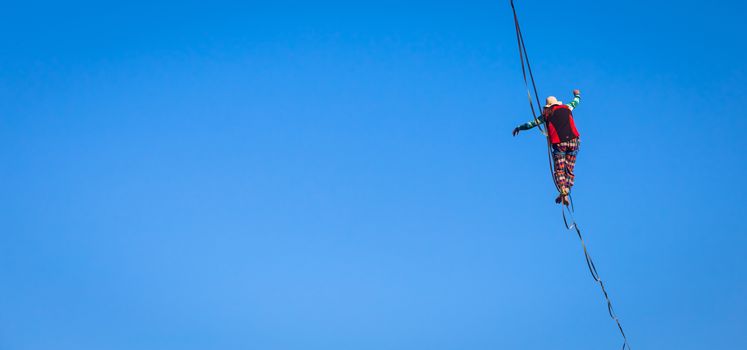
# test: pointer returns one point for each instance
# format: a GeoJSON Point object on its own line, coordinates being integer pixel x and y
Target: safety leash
{"type": "Point", "coordinates": [526, 66]}
{"type": "Point", "coordinates": [569, 224]}
{"type": "Point", "coordinates": [524, 57]}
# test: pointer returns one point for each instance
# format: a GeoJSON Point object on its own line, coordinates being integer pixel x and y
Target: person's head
{"type": "Point", "coordinates": [551, 101]}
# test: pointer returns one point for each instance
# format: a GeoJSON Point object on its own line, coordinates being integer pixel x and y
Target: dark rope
{"type": "Point", "coordinates": [527, 67]}
{"type": "Point", "coordinates": [524, 58]}
{"type": "Point", "coordinates": [594, 274]}
{"type": "Point", "coordinates": [569, 224]}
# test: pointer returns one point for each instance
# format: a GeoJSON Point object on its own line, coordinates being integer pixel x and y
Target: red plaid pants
{"type": "Point", "coordinates": [564, 158]}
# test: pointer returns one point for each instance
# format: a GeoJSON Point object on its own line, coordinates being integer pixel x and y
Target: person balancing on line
{"type": "Point", "coordinates": [565, 140]}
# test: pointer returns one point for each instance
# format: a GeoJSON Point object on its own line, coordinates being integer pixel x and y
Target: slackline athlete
{"type": "Point", "coordinates": [564, 138]}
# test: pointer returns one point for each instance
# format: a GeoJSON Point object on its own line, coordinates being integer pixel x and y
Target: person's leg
{"type": "Point", "coordinates": [559, 158]}
{"type": "Point", "coordinates": [570, 162]}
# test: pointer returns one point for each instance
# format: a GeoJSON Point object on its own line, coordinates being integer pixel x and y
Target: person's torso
{"type": "Point", "coordinates": [560, 124]}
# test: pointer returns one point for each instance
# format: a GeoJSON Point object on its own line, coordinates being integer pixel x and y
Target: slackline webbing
{"type": "Point", "coordinates": [569, 224]}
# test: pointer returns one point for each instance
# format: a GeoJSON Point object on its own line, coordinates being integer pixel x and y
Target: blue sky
{"type": "Point", "coordinates": [337, 175]}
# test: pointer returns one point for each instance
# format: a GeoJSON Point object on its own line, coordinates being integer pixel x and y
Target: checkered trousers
{"type": "Point", "coordinates": [564, 159]}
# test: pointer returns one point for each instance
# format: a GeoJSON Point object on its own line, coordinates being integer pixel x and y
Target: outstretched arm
{"type": "Point", "coordinates": [529, 125]}
{"type": "Point", "coordinates": [576, 99]}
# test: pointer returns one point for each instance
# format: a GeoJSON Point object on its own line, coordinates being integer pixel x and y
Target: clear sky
{"type": "Point", "coordinates": [341, 175]}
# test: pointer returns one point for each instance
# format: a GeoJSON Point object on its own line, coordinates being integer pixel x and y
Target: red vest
{"type": "Point", "coordinates": [560, 125]}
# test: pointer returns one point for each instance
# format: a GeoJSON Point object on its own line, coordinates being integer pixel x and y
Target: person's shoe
{"type": "Point", "coordinates": [565, 200]}
{"type": "Point", "coordinates": [559, 198]}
